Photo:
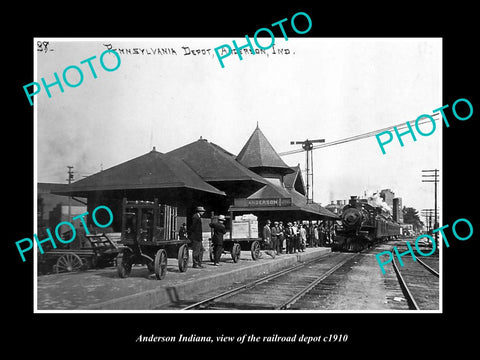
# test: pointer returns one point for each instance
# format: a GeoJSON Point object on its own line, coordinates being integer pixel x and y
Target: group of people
{"type": "Point", "coordinates": [296, 236]}
{"type": "Point", "coordinates": [279, 238]}
{"type": "Point", "coordinates": [195, 234]}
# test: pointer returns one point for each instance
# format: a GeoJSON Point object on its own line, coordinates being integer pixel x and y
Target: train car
{"type": "Point", "coordinates": [361, 226]}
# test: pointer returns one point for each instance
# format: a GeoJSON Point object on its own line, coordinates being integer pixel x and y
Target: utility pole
{"type": "Point", "coordinates": [427, 214]}
{"type": "Point", "coordinates": [426, 178]}
{"type": "Point", "coordinates": [69, 179]}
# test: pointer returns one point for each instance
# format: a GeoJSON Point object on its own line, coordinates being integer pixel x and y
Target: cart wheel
{"type": "Point", "coordinates": [161, 264]}
{"type": "Point", "coordinates": [124, 264]}
{"type": "Point", "coordinates": [183, 258]}
{"type": "Point", "coordinates": [255, 250]}
{"type": "Point", "coordinates": [68, 262]}
{"type": "Point", "coordinates": [236, 252]}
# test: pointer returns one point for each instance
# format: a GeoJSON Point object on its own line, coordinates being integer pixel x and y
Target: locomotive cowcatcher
{"type": "Point", "coordinates": [149, 237]}
{"type": "Point", "coordinates": [363, 225]}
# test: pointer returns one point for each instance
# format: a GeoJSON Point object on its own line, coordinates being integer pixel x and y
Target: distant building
{"type": "Point", "coordinates": [397, 210]}
{"type": "Point", "coordinates": [52, 208]}
{"type": "Point", "coordinates": [336, 206]}
{"type": "Point", "coordinates": [387, 195]}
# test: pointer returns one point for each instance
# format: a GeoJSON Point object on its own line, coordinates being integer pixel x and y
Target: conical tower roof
{"type": "Point", "coordinates": [259, 155]}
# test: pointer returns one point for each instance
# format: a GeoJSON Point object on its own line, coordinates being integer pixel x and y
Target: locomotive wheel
{"type": "Point", "coordinates": [160, 264]}
{"type": "Point", "coordinates": [124, 264]}
{"type": "Point", "coordinates": [255, 250]}
{"type": "Point", "coordinates": [68, 262]}
{"type": "Point", "coordinates": [236, 252]}
{"type": "Point", "coordinates": [183, 258]}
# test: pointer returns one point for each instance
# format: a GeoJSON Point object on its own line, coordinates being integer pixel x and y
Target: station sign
{"type": "Point", "coordinates": [272, 202]}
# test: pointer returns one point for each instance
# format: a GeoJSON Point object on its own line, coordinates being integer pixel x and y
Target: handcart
{"type": "Point", "coordinates": [149, 238]}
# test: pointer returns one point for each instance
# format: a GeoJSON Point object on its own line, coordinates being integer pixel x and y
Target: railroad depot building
{"type": "Point", "coordinates": [256, 181]}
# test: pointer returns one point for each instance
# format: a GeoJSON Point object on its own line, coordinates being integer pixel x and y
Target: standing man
{"type": "Point", "coordinates": [217, 239]}
{"type": "Point", "coordinates": [289, 237]}
{"type": "Point", "coordinates": [302, 235]}
{"type": "Point", "coordinates": [280, 237]}
{"type": "Point", "coordinates": [274, 234]}
{"type": "Point", "coordinates": [267, 238]}
{"type": "Point", "coordinates": [296, 237]}
{"type": "Point", "coordinates": [196, 237]}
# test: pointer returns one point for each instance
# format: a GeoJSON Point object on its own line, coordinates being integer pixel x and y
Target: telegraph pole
{"type": "Point", "coordinates": [427, 214]}
{"type": "Point", "coordinates": [429, 174]}
{"type": "Point", "coordinates": [69, 179]}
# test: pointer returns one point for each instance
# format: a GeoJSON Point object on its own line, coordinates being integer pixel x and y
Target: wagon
{"type": "Point", "coordinates": [243, 236]}
{"type": "Point", "coordinates": [101, 253]}
{"type": "Point", "coordinates": [235, 246]}
{"type": "Point", "coordinates": [149, 238]}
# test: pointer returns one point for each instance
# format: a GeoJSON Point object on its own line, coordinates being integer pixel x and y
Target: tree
{"type": "Point", "coordinates": [410, 216]}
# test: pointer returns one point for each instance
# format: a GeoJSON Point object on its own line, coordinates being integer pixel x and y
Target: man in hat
{"type": "Point", "coordinates": [274, 234]}
{"type": "Point", "coordinates": [280, 237]}
{"type": "Point", "coordinates": [289, 236]}
{"type": "Point", "coordinates": [196, 237]}
{"type": "Point", "coordinates": [267, 238]}
{"type": "Point", "coordinates": [217, 239]}
{"type": "Point", "coordinates": [302, 233]}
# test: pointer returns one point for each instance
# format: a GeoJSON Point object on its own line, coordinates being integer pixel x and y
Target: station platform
{"type": "Point", "coordinates": [103, 289]}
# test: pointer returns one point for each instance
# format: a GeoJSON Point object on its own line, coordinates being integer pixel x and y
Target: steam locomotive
{"type": "Point", "coordinates": [363, 225]}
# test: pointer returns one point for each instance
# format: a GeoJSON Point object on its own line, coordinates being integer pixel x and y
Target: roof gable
{"type": "Point", "coordinates": [258, 153]}
{"type": "Point", "coordinates": [295, 180]}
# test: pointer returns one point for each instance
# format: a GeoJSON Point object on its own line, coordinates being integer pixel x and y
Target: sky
{"type": "Point", "coordinates": [318, 88]}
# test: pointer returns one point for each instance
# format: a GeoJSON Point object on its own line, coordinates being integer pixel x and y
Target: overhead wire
{"type": "Point", "coordinates": [361, 136]}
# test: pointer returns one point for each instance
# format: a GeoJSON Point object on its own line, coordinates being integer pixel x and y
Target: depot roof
{"type": "Point", "coordinates": [295, 180]}
{"type": "Point", "coordinates": [153, 170]}
{"type": "Point", "coordinates": [214, 163]}
{"type": "Point", "coordinates": [259, 154]}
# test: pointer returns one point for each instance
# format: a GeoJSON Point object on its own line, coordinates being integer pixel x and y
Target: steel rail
{"type": "Point", "coordinates": [314, 283]}
{"type": "Point", "coordinates": [251, 284]}
{"type": "Point", "coordinates": [406, 291]}
{"type": "Point", "coordinates": [428, 268]}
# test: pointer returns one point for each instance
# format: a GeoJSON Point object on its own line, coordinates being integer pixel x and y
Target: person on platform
{"type": "Point", "coordinates": [267, 238]}
{"type": "Point", "coordinates": [296, 237]}
{"type": "Point", "coordinates": [280, 237]}
{"type": "Point", "coordinates": [289, 236]}
{"type": "Point", "coordinates": [274, 234]}
{"type": "Point", "coordinates": [196, 237]}
{"type": "Point", "coordinates": [302, 234]}
{"type": "Point", "coordinates": [316, 237]}
{"type": "Point", "coordinates": [182, 232]}
{"type": "Point", "coordinates": [321, 233]}
{"type": "Point", "coordinates": [217, 238]}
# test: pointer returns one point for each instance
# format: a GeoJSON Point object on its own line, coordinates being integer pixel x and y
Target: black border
{"type": "Point", "coordinates": [369, 333]}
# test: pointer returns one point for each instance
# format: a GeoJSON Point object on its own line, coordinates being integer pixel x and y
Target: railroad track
{"type": "Point", "coordinates": [419, 280]}
{"type": "Point", "coordinates": [279, 290]}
